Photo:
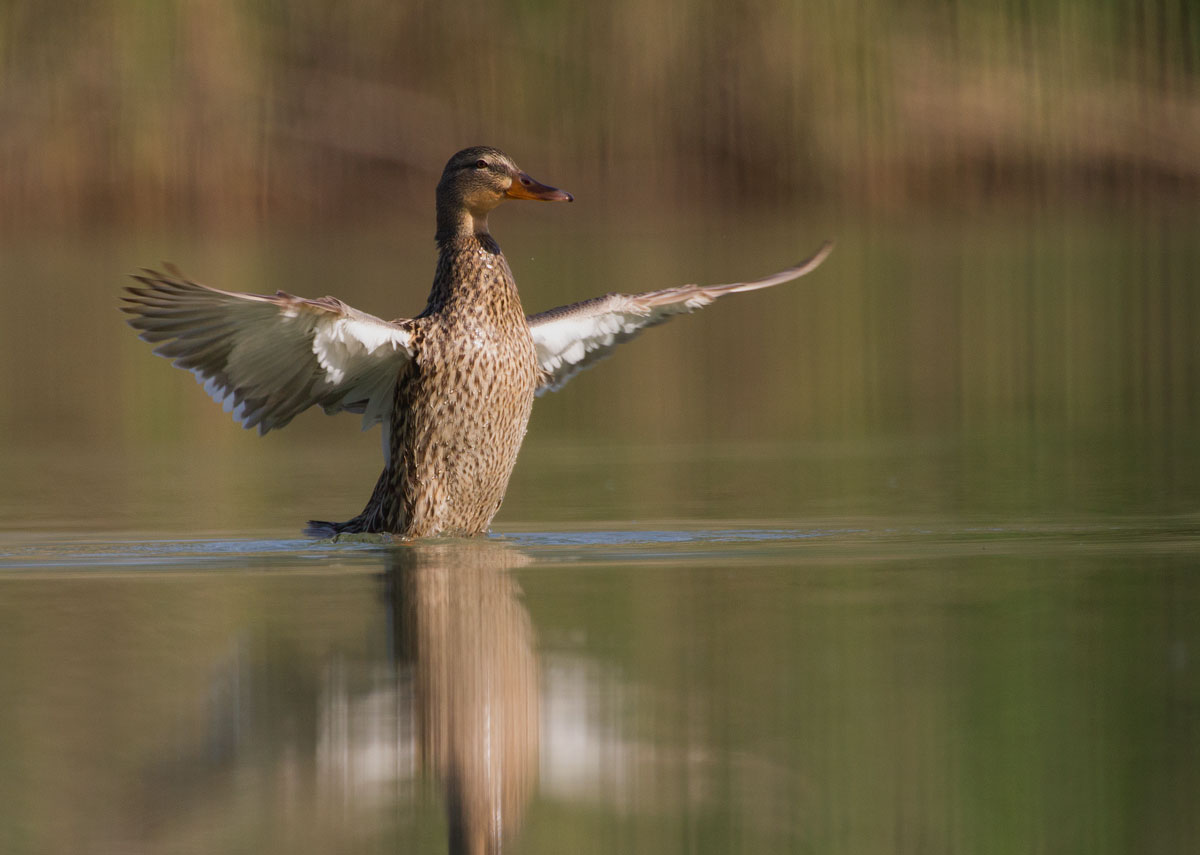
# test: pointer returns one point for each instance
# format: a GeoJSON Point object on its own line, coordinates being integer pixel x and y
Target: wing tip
{"type": "Point", "coordinates": [822, 252]}
{"type": "Point", "coordinates": [811, 263]}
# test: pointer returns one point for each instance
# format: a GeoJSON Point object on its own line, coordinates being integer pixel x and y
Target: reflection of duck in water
{"type": "Point", "coordinates": [462, 627]}
{"type": "Point", "coordinates": [453, 386]}
{"type": "Point", "coordinates": [309, 741]}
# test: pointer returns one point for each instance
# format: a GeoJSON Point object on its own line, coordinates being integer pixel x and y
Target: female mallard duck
{"type": "Point", "coordinates": [453, 386]}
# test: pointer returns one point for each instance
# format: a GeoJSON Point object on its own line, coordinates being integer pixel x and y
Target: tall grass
{"type": "Point", "coordinates": [150, 110]}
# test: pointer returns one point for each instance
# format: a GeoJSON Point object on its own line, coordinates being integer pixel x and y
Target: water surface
{"type": "Point", "coordinates": [902, 558]}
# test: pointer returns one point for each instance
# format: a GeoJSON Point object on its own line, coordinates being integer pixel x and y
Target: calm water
{"type": "Point", "coordinates": [904, 558]}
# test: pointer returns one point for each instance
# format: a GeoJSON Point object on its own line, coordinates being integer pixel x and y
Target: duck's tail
{"type": "Point", "coordinates": [374, 519]}
{"type": "Point", "coordinates": [324, 530]}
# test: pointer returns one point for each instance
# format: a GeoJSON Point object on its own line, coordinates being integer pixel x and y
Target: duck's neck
{"type": "Point", "coordinates": [455, 221]}
{"type": "Point", "coordinates": [471, 271]}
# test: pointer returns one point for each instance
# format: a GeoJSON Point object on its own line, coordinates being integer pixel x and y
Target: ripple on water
{"type": "Point", "coordinates": [728, 542]}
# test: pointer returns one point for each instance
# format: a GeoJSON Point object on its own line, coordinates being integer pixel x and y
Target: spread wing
{"type": "Point", "coordinates": [570, 338]}
{"type": "Point", "coordinates": [266, 358]}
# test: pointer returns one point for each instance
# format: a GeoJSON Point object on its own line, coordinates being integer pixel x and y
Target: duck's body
{"type": "Point", "coordinates": [461, 403]}
{"type": "Point", "coordinates": [453, 387]}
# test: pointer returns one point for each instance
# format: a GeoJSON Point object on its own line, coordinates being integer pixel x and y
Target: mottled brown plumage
{"type": "Point", "coordinates": [452, 387]}
{"type": "Point", "coordinates": [461, 404]}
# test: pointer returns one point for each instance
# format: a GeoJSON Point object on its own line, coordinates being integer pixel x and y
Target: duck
{"type": "Point", "coordinates": [452, 387]}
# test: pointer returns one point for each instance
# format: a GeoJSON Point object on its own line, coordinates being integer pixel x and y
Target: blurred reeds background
{"type": "Point", "coordinates": [183, 111]}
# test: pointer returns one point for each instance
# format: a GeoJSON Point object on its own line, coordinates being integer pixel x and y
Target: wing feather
{"type": "Point", "coordinates": [569, 339]}
{"type": "Point", "coordinates": [265, 358]}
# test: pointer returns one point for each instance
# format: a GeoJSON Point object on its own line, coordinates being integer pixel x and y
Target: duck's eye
{"type": "Point", "coordinates": [481, 164]}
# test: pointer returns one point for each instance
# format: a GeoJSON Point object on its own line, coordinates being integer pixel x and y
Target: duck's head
{"type": "Point", "coordinates": [475, 181]}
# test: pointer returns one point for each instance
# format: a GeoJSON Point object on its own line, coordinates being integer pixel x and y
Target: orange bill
{"type": "Point", "coordinates": [524, 187]}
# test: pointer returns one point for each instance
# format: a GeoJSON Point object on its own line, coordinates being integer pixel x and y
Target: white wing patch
{"type": "Point", "coordinates": [342, 343]}
{"type": "Point", "coordinates": [569, 340]}
{"type": "Point", "coordinates": [566, 346]}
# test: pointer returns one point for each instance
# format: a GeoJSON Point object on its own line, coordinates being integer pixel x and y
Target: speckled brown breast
{"type": "Point", "coordinates": [461, 406]}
